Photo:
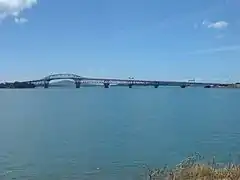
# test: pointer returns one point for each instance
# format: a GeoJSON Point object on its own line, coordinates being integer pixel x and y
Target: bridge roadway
{"type": "Point", "coordinates": [106, 82]}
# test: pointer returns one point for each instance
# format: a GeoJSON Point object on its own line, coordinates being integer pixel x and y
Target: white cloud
{"type": "Point", "coordinates": [20, 20]}
{"type": "Point", "coordinates": [215, 25]}
{"type": "Point", "coordinates": [13, 8]}
{"type": "Point", "coordinates": [218, 25]}
{"type": "Point", "coordinates": [205, 22]}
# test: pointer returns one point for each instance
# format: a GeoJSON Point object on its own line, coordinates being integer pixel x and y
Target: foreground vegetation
{"type": "Point", "coordinates": [190, 169]}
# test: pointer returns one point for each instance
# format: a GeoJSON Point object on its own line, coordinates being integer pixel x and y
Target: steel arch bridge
{"type": "Point", "coordinates": [46, 80]}
{"type": "Point", "coordinates": [78, 80]}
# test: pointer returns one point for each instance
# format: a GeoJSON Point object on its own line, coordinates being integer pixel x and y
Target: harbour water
{"type": "Point", "coordinates": [108, 134]}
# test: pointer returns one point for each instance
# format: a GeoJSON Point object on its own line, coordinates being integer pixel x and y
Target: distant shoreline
{"type": "Point", "coordinates": [17, 85]}
{"type": "Point", "coordinates": [27, 85]}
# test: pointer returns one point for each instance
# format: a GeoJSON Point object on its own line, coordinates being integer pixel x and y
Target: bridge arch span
{"type": "Point", "coordinates": [76, 78]}
{"type": "Point", "coordinates": [62, 76]}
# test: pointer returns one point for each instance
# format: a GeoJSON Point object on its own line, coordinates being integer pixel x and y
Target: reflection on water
{"type": "Point", "coordinates": [94, 133]}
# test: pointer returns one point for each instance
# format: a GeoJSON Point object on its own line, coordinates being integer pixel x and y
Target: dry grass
{"type": "Point", "coordinates": [189, 169]}
{"type": "Point", "coordinates": [203, 172]}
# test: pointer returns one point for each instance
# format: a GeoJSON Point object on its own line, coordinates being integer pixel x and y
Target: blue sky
{"type": "Point", "coordinates": [154, 39]}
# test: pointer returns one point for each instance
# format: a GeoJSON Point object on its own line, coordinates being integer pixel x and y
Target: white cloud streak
{"type": "Point", "coordinates": [13, 9]}
{"type": "Point", "coordinates": [216, 25]}
{"type": "Point", "coordinates": [216, 50]}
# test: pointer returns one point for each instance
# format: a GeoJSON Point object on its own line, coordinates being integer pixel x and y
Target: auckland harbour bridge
{"type": "Point", "coordinates": [107, 82]}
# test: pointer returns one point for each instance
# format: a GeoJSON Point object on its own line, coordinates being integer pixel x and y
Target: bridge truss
{"type": "Point", "coordinates": [106, 82]}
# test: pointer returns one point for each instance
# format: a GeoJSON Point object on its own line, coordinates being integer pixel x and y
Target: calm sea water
{"type": "Point", "coordinates": [108, 134]}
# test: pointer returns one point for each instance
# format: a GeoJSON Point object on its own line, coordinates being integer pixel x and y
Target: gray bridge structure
{"type": "Point", "coordinates": [107, 82]}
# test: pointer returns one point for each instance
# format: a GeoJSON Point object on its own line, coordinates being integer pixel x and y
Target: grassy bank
{"type": "Point", "coordinates": [192, 169]}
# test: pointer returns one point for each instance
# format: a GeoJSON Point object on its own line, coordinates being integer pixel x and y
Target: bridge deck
{"type": "Point", "coordinates": [127, 81]}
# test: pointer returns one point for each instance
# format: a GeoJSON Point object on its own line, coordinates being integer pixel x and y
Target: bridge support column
{"type": "Point", "coordinates": [46, 84]}
{"type": "Point", "coordinates": [156, 85]}
{"type": "Point", "coordinates": [106, 85]}
{"type": "Point", "coordinates": [130, 86]}
{"type": "Point", "coordinates": [78, 84]}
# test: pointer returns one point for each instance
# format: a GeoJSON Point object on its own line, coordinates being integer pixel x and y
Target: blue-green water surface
{"type": "Point", "coordinates": [108, 134]}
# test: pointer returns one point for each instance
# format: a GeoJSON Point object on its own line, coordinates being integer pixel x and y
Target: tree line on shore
{"type": "Point", "coordinates": [17, 85]}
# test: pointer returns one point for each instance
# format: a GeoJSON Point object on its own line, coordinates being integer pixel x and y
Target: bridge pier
{"type": "Point", "coordinates": [130, 86]}
{"type": "Point", "coordinates": [106, 85]}
{"type": "Point", "coordinates": [156, 85]}
{"type": "Point", "coordinates": [183, 86]}
{"type": "Point", "coordinates": [78, 84]}
{"type": "Point", "coordinates": [46, 84]}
